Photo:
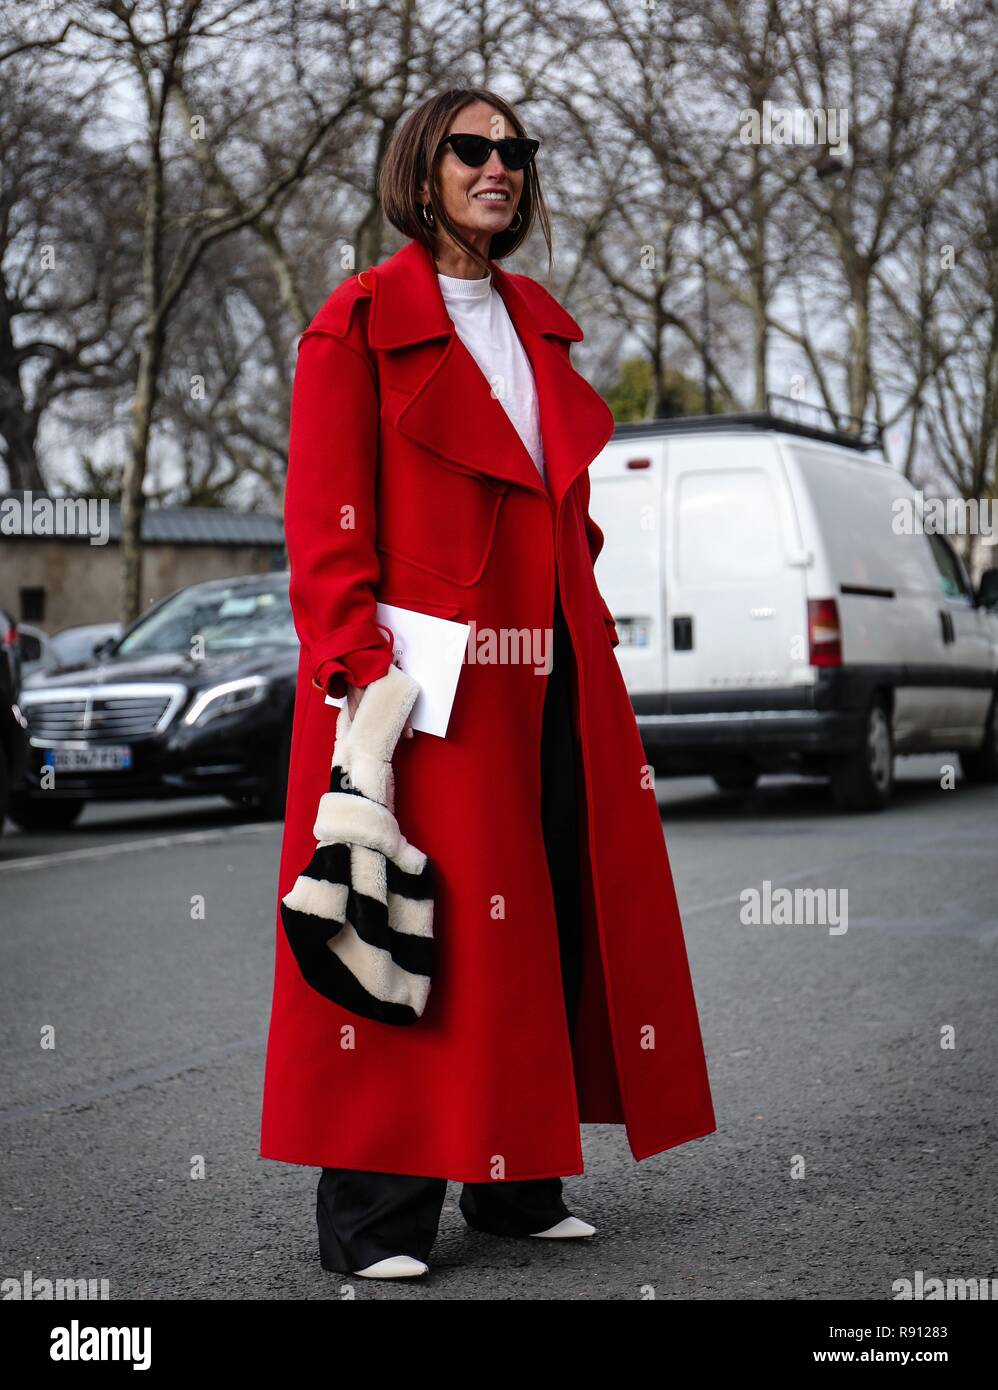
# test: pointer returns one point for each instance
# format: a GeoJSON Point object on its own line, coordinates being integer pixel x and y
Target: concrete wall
{"type": "Point", "coordinates": [82, 583]}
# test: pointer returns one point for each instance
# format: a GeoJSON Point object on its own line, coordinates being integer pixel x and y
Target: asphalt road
{"type": "Point", "coordinates": [853, 1148]}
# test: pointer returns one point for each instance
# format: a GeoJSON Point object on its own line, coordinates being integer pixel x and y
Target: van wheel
{"type": "Point", "coordinates": [864, 780]}
{"type": "Point", "coordinates": [736, 781]}
{"type": "Point", "coordinates": [981, 765]}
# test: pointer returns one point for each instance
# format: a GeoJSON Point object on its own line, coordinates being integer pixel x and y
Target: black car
{"type": "Point", "coordinates": [196, 698]}
{"type": "Point", "coordinates": [13, 734]}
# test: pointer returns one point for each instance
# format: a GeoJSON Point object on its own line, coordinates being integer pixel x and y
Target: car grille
{"type": "Point", "coordinates": [100, 715]}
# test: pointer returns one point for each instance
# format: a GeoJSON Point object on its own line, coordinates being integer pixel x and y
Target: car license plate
{"type": "Point", "coordinates": [99, 757]}
{"type": "Point", "coordinates": [633, 632]}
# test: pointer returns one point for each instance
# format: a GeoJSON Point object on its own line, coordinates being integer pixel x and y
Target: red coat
{"type": "Point", "coordinates": [450, 516]}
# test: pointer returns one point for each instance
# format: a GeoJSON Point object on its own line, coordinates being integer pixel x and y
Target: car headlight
{"type": "Point", "coordinates": [230, 698]}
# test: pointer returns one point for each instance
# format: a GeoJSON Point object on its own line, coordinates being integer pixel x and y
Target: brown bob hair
{"type": "Point", "coordinates": [412, 156]}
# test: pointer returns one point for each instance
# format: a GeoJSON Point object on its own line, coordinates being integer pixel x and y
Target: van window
{"type": "Point", "coordinates": [950, 570]}
{"type": "Point", "coordinates": [855, 502]}
{"type": "Point", "coordinates": [727, 526]}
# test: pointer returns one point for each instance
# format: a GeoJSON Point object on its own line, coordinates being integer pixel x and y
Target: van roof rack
{"type": "Point", "coordinates": [782, 413]}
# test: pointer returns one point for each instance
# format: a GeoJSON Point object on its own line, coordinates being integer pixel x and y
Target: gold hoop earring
{"type": "Point", "coordinates": [515, 226]}
{"type": "Point", "coordinates": [428, 217]}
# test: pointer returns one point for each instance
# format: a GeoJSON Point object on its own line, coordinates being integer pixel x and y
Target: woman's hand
{"type": "Point", "coordinates": [354, 694]}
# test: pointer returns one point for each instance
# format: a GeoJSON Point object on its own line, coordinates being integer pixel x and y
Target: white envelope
{"type": "Point", "coordinates": [431, 651]}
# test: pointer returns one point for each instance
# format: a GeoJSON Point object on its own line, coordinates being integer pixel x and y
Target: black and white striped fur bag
{"type": "Point", "coordinates": [359, 918]}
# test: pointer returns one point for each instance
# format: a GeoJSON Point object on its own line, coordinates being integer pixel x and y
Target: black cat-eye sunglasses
{"type": "Point", "coordinates": [515, 152]}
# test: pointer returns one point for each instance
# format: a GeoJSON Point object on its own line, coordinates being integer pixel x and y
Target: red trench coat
{"type": "Point", "coordinates": [394, 427]}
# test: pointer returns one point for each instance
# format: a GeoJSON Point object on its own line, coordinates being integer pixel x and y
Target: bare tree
{"type": "Point", "coordinates": [962, 424]}
{"type": "Point", "coordinates": [195, 243]}
{"type": "Point", "coordinates": [882, 67]}
{"type": "Point", "coordinates": [68, 260]}
{"type": "Point", "coordinates": [623, 181]}
{"type": "Point", "coordinates": [159, 48]}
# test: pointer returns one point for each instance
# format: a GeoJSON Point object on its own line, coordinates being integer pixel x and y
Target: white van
{"type": "Point", "coordinates": [775, 611]}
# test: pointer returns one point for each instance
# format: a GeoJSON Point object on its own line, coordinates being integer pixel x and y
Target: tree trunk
{"type": "Point", "coordinates": [18, 424]}
{"type": "Point", "coordinates": [859, 356]}
{"type": "Point", "coordinates": [19, 428]}
{"type": "Point", "coordinates": [132, 496]}
{"type": "Point", "coordinates": [760, 294]}
{"type": "Point", "coordinates": [284, 275]}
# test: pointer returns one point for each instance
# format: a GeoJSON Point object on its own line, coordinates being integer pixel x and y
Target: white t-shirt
{"type": "Point", "coordinates": [481, 321]}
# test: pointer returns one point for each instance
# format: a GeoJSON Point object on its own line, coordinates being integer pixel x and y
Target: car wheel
{"type": "Point", "coordinates": [4, 787]}
{"type": "Point", "coordinates": [271, 803]}
{"type": "Point", "coordinates": [44, 813]}
{"type": "Point", "coordinates": [864, 780]}
{"type": "Point", "coordinates": [981, 764]}
{"type": "Point", "coordinates": [736, 781]}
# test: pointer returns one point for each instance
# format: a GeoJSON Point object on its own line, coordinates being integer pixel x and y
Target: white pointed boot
{"type": "Point", "coordinates": [395, 1267]}
{"type": "Point", "coordinates": [567, 1229]}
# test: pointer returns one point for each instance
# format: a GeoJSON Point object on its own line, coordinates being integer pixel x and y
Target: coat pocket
{"type": "Point", "coordinates": [431, 512]}
{"type": "Point", "coordinates": [435, 608]}
{"type": "Point", "coordinates": [432, 607]}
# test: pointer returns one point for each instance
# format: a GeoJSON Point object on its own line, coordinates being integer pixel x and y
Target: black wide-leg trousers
{"type": "Point", "coordinates": [364, 1217]}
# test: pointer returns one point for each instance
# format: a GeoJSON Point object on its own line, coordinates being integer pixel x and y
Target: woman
{"type": "Point", "coordinates": [440, 441]}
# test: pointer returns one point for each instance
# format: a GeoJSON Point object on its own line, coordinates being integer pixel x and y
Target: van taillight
{"type": "Point", "coordinates": [11, 638]}
{"type": "Point", "coordinates": [824, 635]}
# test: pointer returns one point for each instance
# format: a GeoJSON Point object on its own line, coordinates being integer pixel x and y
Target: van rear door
{"type": "Point", "coordinates": [626, 504]}
{"type": "Point", "coordinates": [735, 590]}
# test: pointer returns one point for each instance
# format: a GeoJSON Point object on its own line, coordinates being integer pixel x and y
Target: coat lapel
{"type": "Point", "coordinates": [407, 308]}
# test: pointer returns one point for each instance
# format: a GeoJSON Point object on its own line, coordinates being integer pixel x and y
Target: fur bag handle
{"type": "Point", "coordinates": [359, 918]}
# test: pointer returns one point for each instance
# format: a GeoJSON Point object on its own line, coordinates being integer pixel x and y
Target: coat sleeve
{"type": "Point", "coordinates": [330, 517]}
{"type": "Point", "coordinates": [596, 538]}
